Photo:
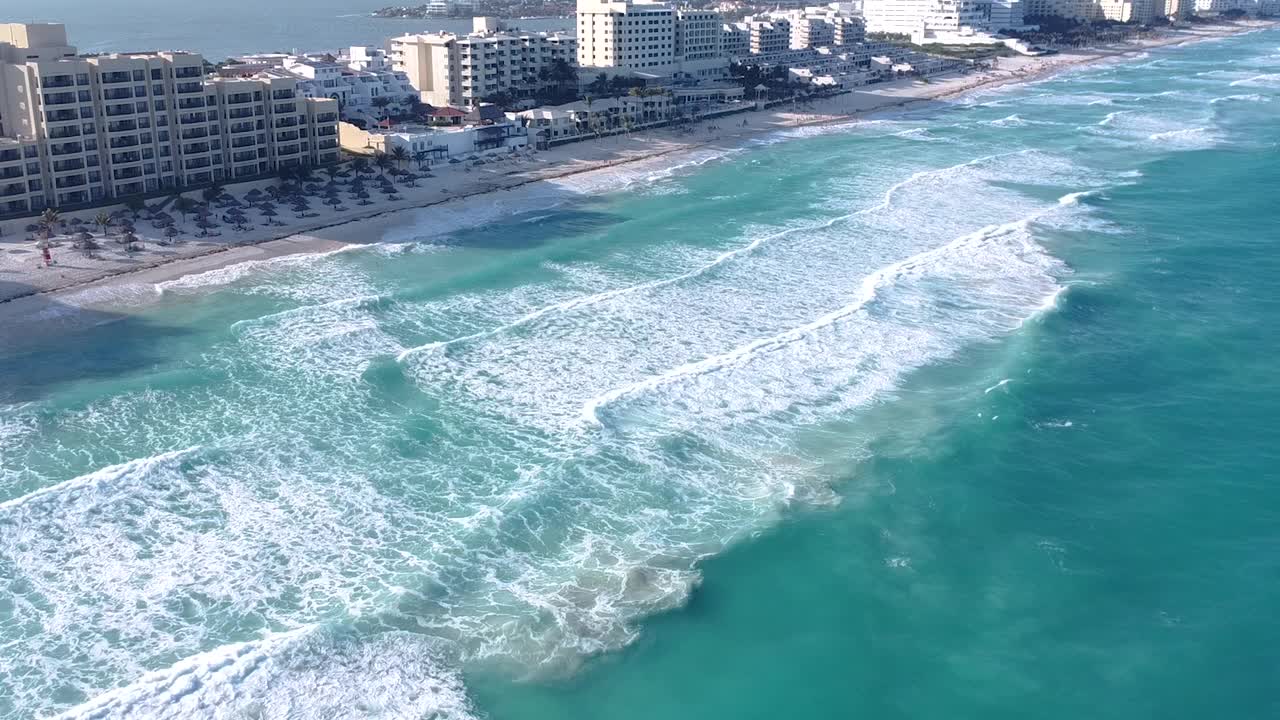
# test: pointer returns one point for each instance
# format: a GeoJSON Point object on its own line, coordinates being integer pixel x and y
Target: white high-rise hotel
{"type": "Point", "coordinates": [649, 38]}
{"type": "Point", "coordinates": [82, 129]}
{"type": "Point", "coordinates": [463, 70]}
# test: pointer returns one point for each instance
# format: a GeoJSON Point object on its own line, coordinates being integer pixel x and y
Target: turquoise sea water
{"type": "Point", "coordinates": [967, 413]}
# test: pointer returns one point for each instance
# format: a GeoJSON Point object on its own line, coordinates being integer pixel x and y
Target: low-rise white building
{"type": "Point", "coordinates": [426, 146]}
{"type": "Point", "coordinates": [572, 120]}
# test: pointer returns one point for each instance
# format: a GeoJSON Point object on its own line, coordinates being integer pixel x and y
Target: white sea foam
{"type": "Point", "coordinates": [869, 289]}
{"type": "Point", "coordinates": [307, 672]}
{"type": "Point", "coordinates": [1252, 97]}
{"type": "Point", "coordinates": [592, 299]}
{"type": "Point", "coordinates": [997, 386]}
{"type": "Point", "coordinates": [241, 270]}
{"type": "Point", "coordinates": [1267, 80]}
{"type": "Point", "coordinates": [1112, 116]}
{"type": "Point", "coordinates": [92, 482]}
{"type": "Point", "coordinates": [1186, 138]}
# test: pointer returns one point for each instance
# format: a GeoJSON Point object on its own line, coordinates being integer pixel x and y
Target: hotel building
{"type": "Point", "coordinates": [650, 39]}
{"type": "Point", "coordinates": [462, 71]}
{"type": "Point", "coordinates": [98, 127]}
{"type": "Point", "coordinates": [906, 17]}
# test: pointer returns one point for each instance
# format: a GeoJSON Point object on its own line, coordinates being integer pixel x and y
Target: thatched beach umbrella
{"type": "Point", "coordinates": [171, 232]}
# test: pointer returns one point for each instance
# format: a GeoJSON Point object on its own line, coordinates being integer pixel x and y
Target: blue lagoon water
{"type": "Point", "coordinates": [966, 413]}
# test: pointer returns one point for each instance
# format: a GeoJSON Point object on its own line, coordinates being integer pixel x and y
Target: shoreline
{"type": "Point", "coordinates": [335, 231]}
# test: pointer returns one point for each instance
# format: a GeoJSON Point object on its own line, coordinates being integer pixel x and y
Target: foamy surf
{"type": "Point", "coordinates": [306, 672]}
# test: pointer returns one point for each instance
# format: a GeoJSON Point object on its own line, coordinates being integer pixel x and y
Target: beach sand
{"type": "Point", "coordinates": [27, 290]}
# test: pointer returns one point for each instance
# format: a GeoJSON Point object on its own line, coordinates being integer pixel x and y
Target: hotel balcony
{"type": "Point", "coordinates": [59, 98]}
{"type": "Point", "coordinates": [66, 149]}
{"type": "Point", "coordinates": [57, 81]}
{"type": "Point", "coordinates": [61, 115]}
{"type": "Point", "coordinates": [125, 158]}
{"type": "Point", "coordinates": [11, 173]}
{"type": "Point", "coordinates": [126, 173]}
{"type": "Point", "coordinates": [195, 133]}
{"type": "Point", "coordinates": [127, 141]}
{"type": "Point", "coordinates": [70, 181]}
{"type": "Point", "coordinates": [13, 190]}
{"type": "Point", "coordinates": [119, 110]}
{"type": "Point", "coordinates": [117, 93]}
{"type": "Point", "coordinates": [129, 188]}
{"type": "Point", "coordinates": [63, 132]}
{"type": "Point", "coordinates": [68, 165]}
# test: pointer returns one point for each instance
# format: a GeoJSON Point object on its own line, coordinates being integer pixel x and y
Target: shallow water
{"type": "Point", "coordinates": [966, 412]}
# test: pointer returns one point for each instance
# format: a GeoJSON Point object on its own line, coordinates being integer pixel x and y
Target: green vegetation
{"type": "Point", "coordinates": [968, 52]}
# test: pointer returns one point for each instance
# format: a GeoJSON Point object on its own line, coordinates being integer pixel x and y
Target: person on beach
{"type": "Point", "coordinates": [48, 257]}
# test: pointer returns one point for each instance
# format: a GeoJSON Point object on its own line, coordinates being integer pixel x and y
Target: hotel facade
{"type": "Point", "coordinates": [463, 70]}
{"type": "Point", "coordinates": [76, 129]}
{"type": "Point", "coordinates": [649, 39]}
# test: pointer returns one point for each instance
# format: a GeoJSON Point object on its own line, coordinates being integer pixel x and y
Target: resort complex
{"type": "Point", "coordinates": [88, 129]}
{"type": "Point", "coordinates": [79, 129]}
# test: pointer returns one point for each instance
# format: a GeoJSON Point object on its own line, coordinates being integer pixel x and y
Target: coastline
{"type": "Point", "coordinates": [102, 285]}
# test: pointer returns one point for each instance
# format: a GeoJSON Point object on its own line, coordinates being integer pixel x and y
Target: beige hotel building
{"type": "Point", "coordinates": [80, 129]}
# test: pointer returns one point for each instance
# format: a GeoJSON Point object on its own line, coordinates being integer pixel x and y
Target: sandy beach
{"type": "Point", "coordinates": [27, 289]}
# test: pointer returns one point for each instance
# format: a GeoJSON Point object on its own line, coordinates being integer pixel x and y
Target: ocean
{"type": "Point", "coordinates": [966, 412]}
{"type": "Point", "coordinates": [219, 30]}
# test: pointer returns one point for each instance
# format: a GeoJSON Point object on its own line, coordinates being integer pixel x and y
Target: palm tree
{"type": "Point", "coordinates": [211, 193]}
{"type": "Point", "coordinates": [184, 205]}
{"type": "Point", "coordinates": [588, 100]}
{"type": "Point", "coordinates": [383, 161]}
{"type": "Point", "coordinates": [136, 205]}
{"type": "Point", "coordinates": [48, 219]}
{"type": "Point", "coordinates": [360, 166]}
{"type": "Point", "coordinates": [399, 155]}
{"type": "Point", "coordinates": [420, 158]}
{"type": "Point", "coordinates": [103, 221]}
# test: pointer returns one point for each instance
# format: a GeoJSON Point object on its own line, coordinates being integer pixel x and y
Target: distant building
{"type": "Point", "coordinates": [1006, 15]}
{"type": "Point", "coordinates": [907, 17]}
{"type": "Point", "coordinates": [448, 69]}
{"type": "Point", "coordinates": [82, 129]}
{"type": "Point", "coordinates": [649, 39]}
